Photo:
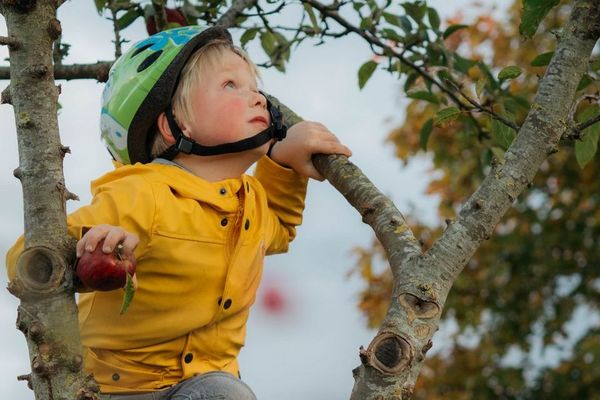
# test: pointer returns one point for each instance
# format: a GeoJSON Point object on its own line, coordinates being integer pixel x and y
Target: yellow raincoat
{"type": "Point", "coordinates": [200, 260]}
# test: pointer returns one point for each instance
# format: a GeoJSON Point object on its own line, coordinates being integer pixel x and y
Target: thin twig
{"type": "Point", "coordinates": [227, 20]}
{"type": "Point", "coordinates": [116, 29]}
{"type": "Point", "coordinates": [275, 11]}
{"type": "Point", "coordinates": [576, 131]}
{"type": "Point", "coordinates": [370, 38]}
{"type": "Point", "coordinates": [588, 123]}
{"type": "Point", "coordinates": [483, 109]}
{"type": "Point", "coordinates": [373, 40]}
{"type": "Point", "coordinates": [160, 15]}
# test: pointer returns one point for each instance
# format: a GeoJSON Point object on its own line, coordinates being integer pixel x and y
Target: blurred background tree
{"type": "Point", "coordinates": [514, 304]}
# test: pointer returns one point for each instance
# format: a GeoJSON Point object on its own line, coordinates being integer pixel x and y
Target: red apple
{"type": "Point", "coordinates": [174, 16]}
{"type": "Point", "coordinates": [100, 271]}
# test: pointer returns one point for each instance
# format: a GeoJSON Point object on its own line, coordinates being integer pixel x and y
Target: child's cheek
{"type": "Point", "coordinates": [232, 115]}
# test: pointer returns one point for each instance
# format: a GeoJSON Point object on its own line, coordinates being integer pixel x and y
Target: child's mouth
{"type": "Point", "coordinates": [260, 120]}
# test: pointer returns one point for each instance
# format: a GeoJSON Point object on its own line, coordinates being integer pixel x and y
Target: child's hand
{"type": "Point", "coordinates": [112, 235]}
{"type": "Point", "coordinates": [302, 141]}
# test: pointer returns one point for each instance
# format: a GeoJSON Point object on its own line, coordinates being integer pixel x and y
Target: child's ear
{"type": "Point", "coordinates": [165, 130]}
{"type": "Point", "coordinates": [163, 127]}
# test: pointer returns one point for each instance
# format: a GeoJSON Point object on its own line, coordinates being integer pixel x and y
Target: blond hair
{"type": "Point", "coordinates": [208, 56]}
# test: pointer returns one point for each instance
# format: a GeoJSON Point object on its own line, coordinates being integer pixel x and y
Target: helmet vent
{"type": "Point", "coordinates": [149, 60]}
{"type": "Point", "coordinates": [140, 49]}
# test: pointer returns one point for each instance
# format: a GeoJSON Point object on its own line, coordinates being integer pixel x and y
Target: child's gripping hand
{"type": "Point", "coordinates": [112, 235]}
{"type": "Point", "coordinates": [302, 141]}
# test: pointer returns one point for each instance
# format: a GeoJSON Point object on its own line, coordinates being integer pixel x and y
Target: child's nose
{"type": "Point", "coordinates": [258, 99]}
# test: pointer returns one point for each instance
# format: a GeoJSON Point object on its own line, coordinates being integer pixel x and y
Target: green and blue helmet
{"type": "Point", "coordinates": [140, 87]}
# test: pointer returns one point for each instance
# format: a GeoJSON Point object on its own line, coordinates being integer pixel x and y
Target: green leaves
{"type": "Point", "coordinates": [453, 28]}
{"type": "Point", "coordinates": [424, 95]}
{"type": "Point", "coordinates": [249, 35]}
{"type": "Point", "coordinates": [365, 72]}
{"type": "Point", "coordinates": [446, 116]}
{"type": "Point", "coordinates": [425, 133]}
{"type": "Point", "coordinates": [586, 148]}
{"type": "Point", "coordinates": [416, 10]}
{"type": "Point", "coordinates": [510, 72]}
{"type": "Point", "coordinates": [129, 293]}
{"type": "Point", "coordinates": [311, 15]}
{"type": "Point", "coordinates": [534, 12]}
{"type": "Point", "coordinates": [434, 18]}
{"type": "Point", "coordinates": [127, 19]}
{"type": "Point", "coordinates": [277, 48]}
{"type": "Point", "coordinates": [542, 59]}
{"type": "Point", "coordinates": [585, 82]}
{"type": "Point", "coordinates": [100, 5]}
{"type": "Point", "coordinates": [503, 134]}
{"type": "Point", "coordinates": [392, 19]}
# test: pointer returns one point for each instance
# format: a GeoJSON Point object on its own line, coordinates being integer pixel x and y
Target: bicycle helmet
{"type": "Point", "coordinates": [140, 87]}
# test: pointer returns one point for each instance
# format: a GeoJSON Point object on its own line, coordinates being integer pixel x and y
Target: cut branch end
{"type": "Point", "coordinates": [40, 269]}
{"type": "Point", "coordinates": [26, 378]}
{"type": "Point", "coordinates": [389, 353]}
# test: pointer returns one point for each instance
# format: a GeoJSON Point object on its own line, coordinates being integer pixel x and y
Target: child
{"type": "Point", "coordinates": [182, 111]}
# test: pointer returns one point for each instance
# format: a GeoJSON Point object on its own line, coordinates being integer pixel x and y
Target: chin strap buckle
{"type": "Point", "coordinates": [279, 128]}
{"type": "Point", "coordinates": [184, 144]}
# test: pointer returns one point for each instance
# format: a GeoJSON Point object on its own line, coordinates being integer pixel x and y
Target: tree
{"type": "Point", "coordinates": [413, 45]}
{"type": "Point", "coordinates": [526, 283]}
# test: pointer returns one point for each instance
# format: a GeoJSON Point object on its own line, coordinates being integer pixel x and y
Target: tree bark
{"type": "Point", "coordinates": [97, 71]}
{"type": "Point", "coordinates": [47, 313]}
{"type": "Point", "coordinates": [392, 362]}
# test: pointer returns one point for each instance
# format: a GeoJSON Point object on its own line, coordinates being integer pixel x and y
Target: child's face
{"type": "Point", "coordinates": [226, 104]}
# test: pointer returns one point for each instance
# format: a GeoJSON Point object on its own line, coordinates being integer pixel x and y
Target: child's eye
{"type": "Point", "coordinates": [230, 84]}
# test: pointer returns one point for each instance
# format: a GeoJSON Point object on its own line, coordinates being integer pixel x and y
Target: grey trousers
{"type": "Point", "coordinates": [215, 385]}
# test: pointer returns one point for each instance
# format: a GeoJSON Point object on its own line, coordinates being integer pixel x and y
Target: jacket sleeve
{"type": "Point", "coordinates": [285, 191]}
{"type": "Point", "coordinates": [127, 202]}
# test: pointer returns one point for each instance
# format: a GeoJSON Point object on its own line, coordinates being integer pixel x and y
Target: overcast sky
{"type": "Point", "coordinates": [309, 350]}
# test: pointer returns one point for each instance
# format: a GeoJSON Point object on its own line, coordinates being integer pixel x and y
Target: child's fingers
{"type": "Point", "coordinates": [311, 172]}
{"type": "Point", "coordinates": [80, 247]}
{"type": "Point", "coordinates": [332, 147]}
{"type": "Point", "coordinates": [93, 236]}
{"type": "Point", "coordinates": [112, 239]}
{"type": "Point", "coordinates": [130, 243]}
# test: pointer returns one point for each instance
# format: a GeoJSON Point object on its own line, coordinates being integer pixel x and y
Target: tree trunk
{"type": "Point", "coordinates": [392, 362]}
{"type": "Point", "coordinates": [47, 314]}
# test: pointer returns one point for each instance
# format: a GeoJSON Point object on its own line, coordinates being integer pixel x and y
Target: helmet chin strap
{"type": "Point", "coordinates": [183, 144]}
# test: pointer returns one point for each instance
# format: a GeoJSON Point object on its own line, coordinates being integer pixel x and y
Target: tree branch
{"type": "Point", "coordinates": [483, 109]}
{"type": "Point", "coordinates": [10, 42]}
{"type": "Point", "coordinates": [227, 20]}
{"type": "Point", "coordinates": [373, 40]}
{"type": "Point", "coordinates": [375, 208]}
{"type": "Point", "coordinates": [117, 31]}
{"type": "Point", "coordinates": [392, 362]}
{"type": "Point", "coordinates": [537, 138]}
{"type": "Point", "coordinates": [98, 71]}
{"type": "Point", "coordinates": [584, 125]}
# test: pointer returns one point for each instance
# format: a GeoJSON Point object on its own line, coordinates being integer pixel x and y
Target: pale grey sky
{"type": "Point", "coordinates": [310, 351]}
